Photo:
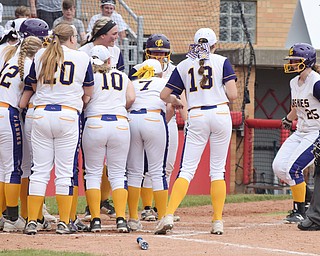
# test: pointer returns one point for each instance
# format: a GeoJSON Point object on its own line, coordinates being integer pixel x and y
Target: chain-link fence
{"type": "Point", "coordinates": [233, 21]}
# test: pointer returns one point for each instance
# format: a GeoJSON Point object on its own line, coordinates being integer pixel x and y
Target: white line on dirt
{"type": "Point", "coordinates": [235, 245]}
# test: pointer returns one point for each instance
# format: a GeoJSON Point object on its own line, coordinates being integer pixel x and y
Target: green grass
{"type": "Point", "coordinates": [189, 201]}
{"type": "Point", "coordinates": [31, 252]}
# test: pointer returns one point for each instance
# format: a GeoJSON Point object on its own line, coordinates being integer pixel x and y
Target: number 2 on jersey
{"type": "Point", "coordinates": [12, 74]}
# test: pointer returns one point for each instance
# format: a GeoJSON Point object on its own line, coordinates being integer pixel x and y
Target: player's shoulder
{"type": "Point", "coordinates": [39, 52]}
{"type": "Point", "coordinates": [114, 50]}
{"type": "Point", "coordinates": [86, 48]}
{"type": "Point", "coordinates": [218, 58]}
{"type": "Point", "coordinates": [186, 63]}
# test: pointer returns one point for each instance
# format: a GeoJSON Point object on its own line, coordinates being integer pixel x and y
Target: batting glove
{"type": "Point", "coordinates": [286, 123]}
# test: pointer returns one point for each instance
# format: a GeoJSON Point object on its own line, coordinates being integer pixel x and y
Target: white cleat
{"type": "Point", "coordinates": [134, 225]}
{"type": "Point", "coordinates": [217, 227]}
{"type": "Point", "coordinates": [14, 226]}
{"type": "Point", "coordinates": [164, 225]}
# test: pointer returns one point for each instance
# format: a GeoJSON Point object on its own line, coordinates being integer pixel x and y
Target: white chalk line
{"type": "Point", "coordinates": [181, 235]}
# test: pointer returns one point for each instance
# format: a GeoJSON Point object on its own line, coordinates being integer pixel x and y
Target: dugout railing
{"type": "Point", "coordinates": [262, 140]}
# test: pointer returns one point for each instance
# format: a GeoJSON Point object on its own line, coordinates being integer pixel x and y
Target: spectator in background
{"type": "Point", "coordinates": [108, 9]}
{"type": "Point", "coordinates": [69, 11]}
{"type": "Point", "coordinates": [21, 13]}
{"type": "Point", "coordinates": [46, 10]}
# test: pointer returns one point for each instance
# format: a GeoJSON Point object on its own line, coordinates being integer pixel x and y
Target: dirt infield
{"type": "Point", "coordinates": [254, 228]}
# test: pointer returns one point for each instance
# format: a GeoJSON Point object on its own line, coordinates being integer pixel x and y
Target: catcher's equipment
{"type": "Point", "coordinates": [286, 123]}
{"type": "Point", "coordinates": [34, 27]}
{"type": "Point", "coordinates": [157, 44]}
{"type": "Point", "coordinates": [301, 56]}
{"type": "Point", "coordinates": [316, 151]}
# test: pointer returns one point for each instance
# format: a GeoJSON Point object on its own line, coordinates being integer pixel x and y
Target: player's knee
{"type": "Point", "coordinates": [217, 176]}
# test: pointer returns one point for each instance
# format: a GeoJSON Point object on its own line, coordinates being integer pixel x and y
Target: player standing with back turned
{"type": "Point", "coordinates": [210, 83]}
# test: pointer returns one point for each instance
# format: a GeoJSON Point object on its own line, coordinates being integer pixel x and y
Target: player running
{"type": "Point", "coordinates": [295, 154]}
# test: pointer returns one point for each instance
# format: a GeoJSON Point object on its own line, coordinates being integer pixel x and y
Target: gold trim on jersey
{"type": "Point", "coordinates": [122, 128]}
{"type": "Point", "coordinates": [66, 119]}
{"type": "Point", "coordinates": [4, 105]}
{"type": "Point", "coordinates": [194, 116]}
{"type": "Point", "coordinates": [152, 120]}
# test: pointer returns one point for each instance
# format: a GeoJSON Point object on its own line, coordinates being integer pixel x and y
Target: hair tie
{"type": "Point", "coordinates": [145, 72]}
{"type": "Point", "coordinates": [199, 51]}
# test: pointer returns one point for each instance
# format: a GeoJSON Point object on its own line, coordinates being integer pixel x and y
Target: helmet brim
{"type": "Point", "coordinates": [158, 49]}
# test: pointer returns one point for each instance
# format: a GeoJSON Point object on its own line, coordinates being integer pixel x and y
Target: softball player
{"type": "Point", "coordinates": [56, 127]}
{"type": "Point", "coordinates": [149, 133]}
{"type": "Point", "coordinates": [107, 132]}
{"type": "Point", "coordinates": [295, 154]}
{"type": "Point", "coordinates": [210, 83]}
{"type": "Point", "coordinates": [105, 32]}
{"type": "Point", "coordinates": [158, 47]}
{"type": "Point", "coordinates": [38, 28]}
{"type": "Point", "coordinates": [11, 86]}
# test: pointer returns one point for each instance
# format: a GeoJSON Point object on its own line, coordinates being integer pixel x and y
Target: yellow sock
{"type": "Point", "coordinates": [299, 192]}
{"type": "Point", "coordinates": [105, 185]}
{"type": "Point", "coordinates": [120, 198]}
{"type": "Point", "coordinates": [12, 192]}
{"type": "Point", "coordinates": [2, 198]}
{"type": "Point", "coordinates": [146, 196]}
{"type": "Point", "coordinates": [73, 212]}
{"type": "Point", "coordinates": [93, 199]}
{"type": "Point", "coordinates": [64, 207]}
{"type": "Point", "coordinates": [218, 193]}
{"type": "Point", "coordinates": [179, 191]}
{"type": "Point", "coordinates": [34, 204]}
{"type": "Point", "coordinates": [133, 201]}
{"type": "Point", "coordinates": [40, 214]}
{"type": "Point", "coordinates": [24, 197]}
{"type": "Point", "coordinates": [161, 199]}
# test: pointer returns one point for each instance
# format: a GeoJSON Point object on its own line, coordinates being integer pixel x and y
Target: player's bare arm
{"type": "Point", "coordinates": [87, 94]}
{"type": "Point", "coordinates": [24, 100]}
{"type": "Point", "coordinates": [167, 97]}
{"type": "Point", "coordinates": [231, 90]}
{"type": "Point", "coordinates": [130, 95]}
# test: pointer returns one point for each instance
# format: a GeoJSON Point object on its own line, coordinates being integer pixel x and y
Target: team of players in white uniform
{"type": "Point", "coordinates": [125, 122]}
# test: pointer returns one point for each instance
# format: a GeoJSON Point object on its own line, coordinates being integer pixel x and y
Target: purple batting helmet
{"type": "Point", "coordinates": [302, 52]}
{"type": "Point", "coordinates": [34, 27]}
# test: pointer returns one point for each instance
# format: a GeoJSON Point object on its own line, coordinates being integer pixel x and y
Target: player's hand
{"type": "Point", "coordinates": [286, 123]}
{"type": "Point", "coordinates": [177, 103]}
{"type": "Point", "coordinates": [316, 151]}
